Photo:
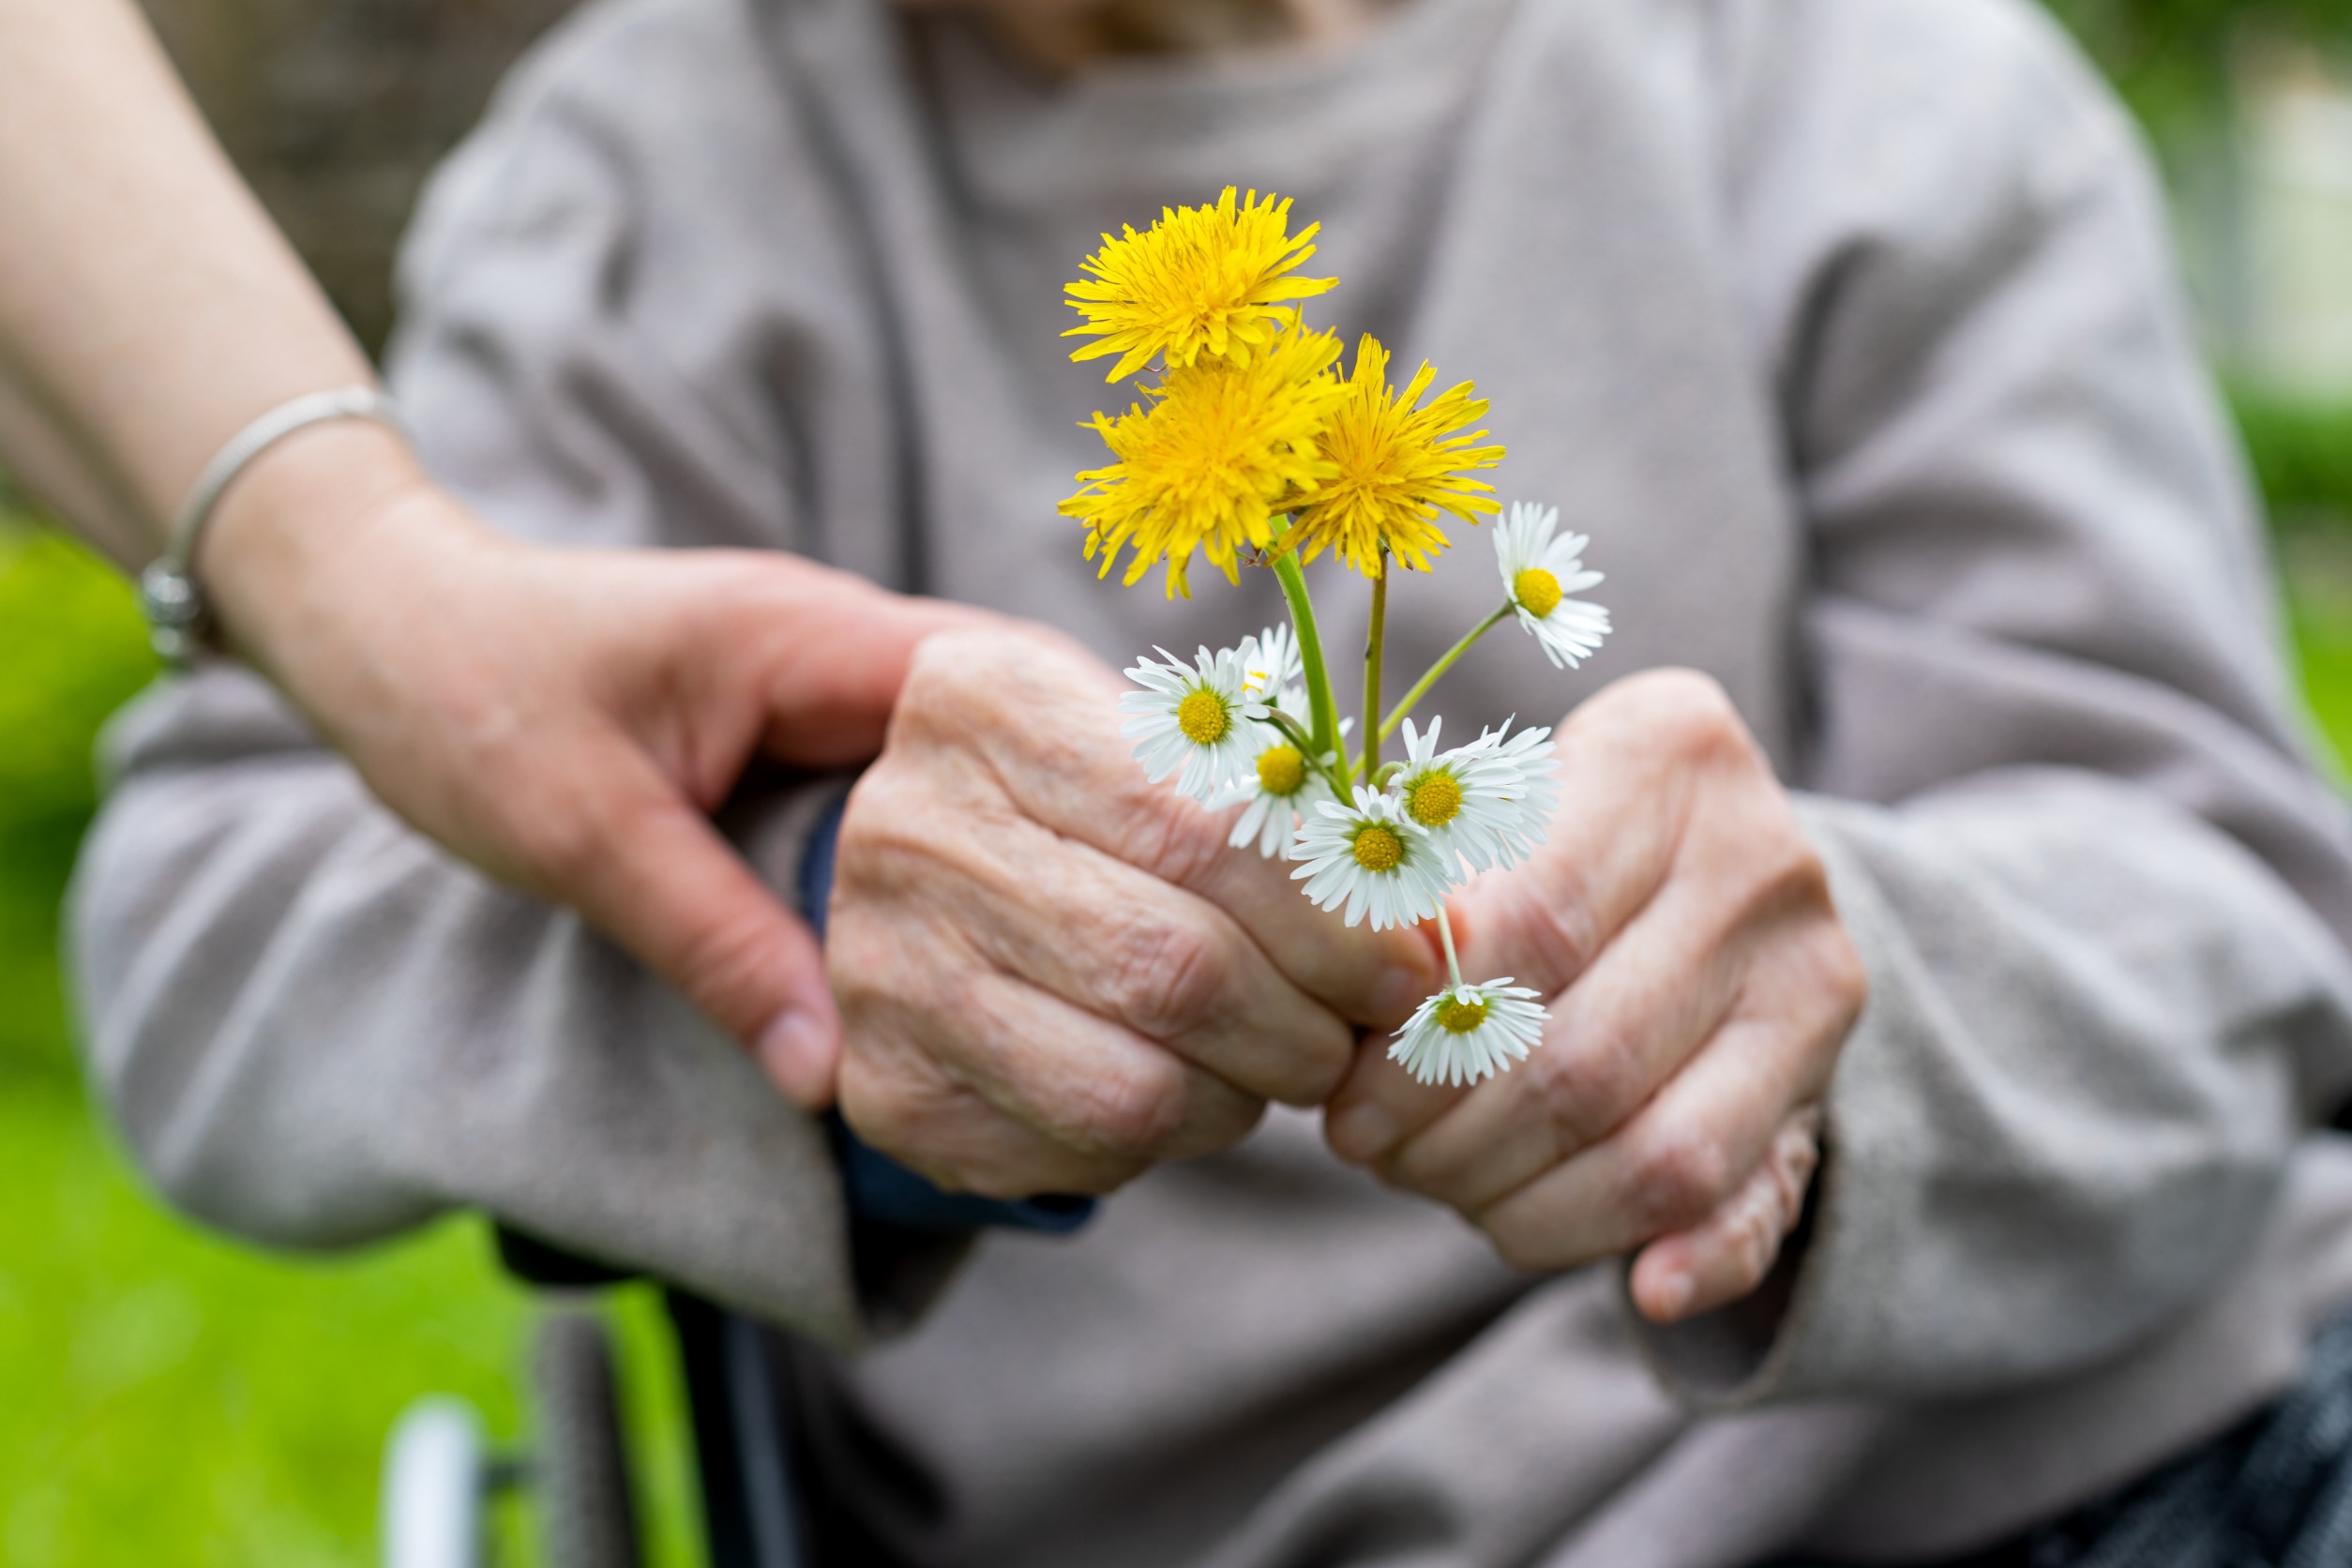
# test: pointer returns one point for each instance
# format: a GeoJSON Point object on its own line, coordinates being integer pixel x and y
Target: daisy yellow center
{"type": "Point", "coordinates": [1435, 799]}
{"type": "Point", "coordinates": [1281, 771]}
{"type": "Point", "coordinates": [1456, 1017]}
{"type": "Point", "coordinates": [1379, 849]}
{"type": "Point", "coordinates": [1537, 591]}
{"type": "Point", "coordinates": [1203, 718]}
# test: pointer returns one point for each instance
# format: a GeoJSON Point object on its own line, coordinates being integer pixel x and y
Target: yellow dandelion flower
{"type": "Point", "coordinates": [1397, 466]}
{"type": "Point", "coordinates": [1220, 449]}
{"type": "Point", "coordinates": [1202, 280]}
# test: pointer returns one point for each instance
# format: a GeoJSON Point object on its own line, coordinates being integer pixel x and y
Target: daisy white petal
{"type": "Point", "coordinates": [1466, 1033]}
{"type": "Point", "coordinates": [1374, 859]}
{"type": "Point", "coordinates": [1486, 804]}
{"type": "Point", "coordinates": [1533, 798]}
{"type": "Point", "coordinates": [1540, 573]}
{"type": "Point", "coordinates": [1270, 662]}
{"type": "Point", "coordinates": [1193, 718]}
{"type": "Point", "coordinates": [1277, 787]}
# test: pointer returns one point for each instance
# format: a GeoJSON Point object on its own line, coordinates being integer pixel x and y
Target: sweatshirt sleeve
{"type": "Point", "coordinates": [312, 1026]}
{"type": "Point", "coordinates": [314, 1029]}
{"type": "Point", "coordinates": [2100, 888]}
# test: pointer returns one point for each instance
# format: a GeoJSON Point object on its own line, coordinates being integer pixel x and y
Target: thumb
{"type": "Point", "coordinates": [667, 887]}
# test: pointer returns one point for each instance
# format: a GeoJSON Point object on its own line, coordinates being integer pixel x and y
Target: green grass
{"type": "Point", "coordinates": [170, 1397]}
{"type": "Point", "coordinates": [167, 1397]}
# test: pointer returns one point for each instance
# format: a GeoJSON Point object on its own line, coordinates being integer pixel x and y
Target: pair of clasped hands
{"type": "Point", "coordinates": [1044, 974]}
{"type": "Point", "coordinates": [1052, 974]}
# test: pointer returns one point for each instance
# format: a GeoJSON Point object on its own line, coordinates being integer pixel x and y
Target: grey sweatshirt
{"type": "Point", "coordinates": [1846, 330]}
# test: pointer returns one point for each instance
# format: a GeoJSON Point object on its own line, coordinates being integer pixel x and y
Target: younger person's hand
{"type": "Point", "coordinates": [1700, 986]}
{"type": "Point", "coordinates": [565, 719]}
{"type": "Point", "coordinates": [1052, 972]}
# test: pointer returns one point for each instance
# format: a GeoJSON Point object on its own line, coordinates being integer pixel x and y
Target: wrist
{"type": "Point", "coordinates": [317, 532]}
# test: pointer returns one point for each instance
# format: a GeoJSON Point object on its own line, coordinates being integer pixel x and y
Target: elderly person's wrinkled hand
{"type": "Point", "coordinates": [1052, 972]}
{"type": "Point", "coordinates": [1700, 987]}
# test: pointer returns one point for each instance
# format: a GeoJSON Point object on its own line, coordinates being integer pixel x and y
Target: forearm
{"type": "Point", "coordinates": [314, 1029]}
{"type": "Point", "coordinates": [149, 308]}
{"type": "Point", "coordinates": [2096, 1030]}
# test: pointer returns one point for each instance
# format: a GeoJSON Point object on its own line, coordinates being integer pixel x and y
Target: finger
{"type": "Point", "coordinates": [1174, 967]}
{"type": "Point", "coordinates": [647, 869]}
{"type": "Point", "coordinates": [947, 1132]}
{"type": "Point", "coordinates": [811, 659]}
{"type": "Point", "coordinates": [1094, 930]}
{"type": "Point", "coordinates": [1379, 1104]}
{"type": "Point", "coordinates": [1059, 755]}
{"type": "Point", "coordinates": [1658, 991]}
{"type": "Point", "coordinates": [1374, 978]}
{"type": "Point", "coordinates": [1014, 1091]}
{"type": "Point", "coordinates": [1726, 1255]}
{"type": "Point", "coordinates": [1669, 1168]}
{"type": "Point", "coordinates": [1632, 761]}
{"type": "Point", "coordinates": [833, 683]}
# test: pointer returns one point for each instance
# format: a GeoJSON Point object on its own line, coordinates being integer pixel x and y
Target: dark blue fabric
{"type": "Point", "coordinates": [879, 1190]}
{"type": "Point", "coordinates": [2274, 1491]}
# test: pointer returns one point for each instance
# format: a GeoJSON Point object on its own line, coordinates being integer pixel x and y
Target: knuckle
{"type": "Point", "coordinates": [559, 839]}
{"type": "Point", "coordinates": [1135, 1113]}
{"type": "Point", "coordinates": [1167, 976]}
{"type": "Point", "coordinates": [875, 837]}
{"type": "Point", "coordinates": [859, 955]}
{"type": "Point", "coordinates": [1586, 1089]}
{"type": "Point", "coordinates": [1561, 930]}
{"type": "Point", "coordinates": [724, 960]}
{"type": "Point", "coordinates": [1754, 1243]}
{"type": "Point", "coordinates": [1789, 878]}
{"type": "Point", "coordinates": [1168, 836]}
{"type": "Point", "coordinates": [1845, 980]}
{"type": "Point", "coordinates": [900, 833]}
{"type": "Point", "coordinates": [892, 1107]}
{"type": "Point", "coordinates": [1690, 710]}
{"type": "Point", "coordinates": [951, 686]}
{"type": "Point", "coordinates": [1679, 1179]}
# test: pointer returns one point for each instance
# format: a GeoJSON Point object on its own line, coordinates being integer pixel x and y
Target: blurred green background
{"type": "Point", "coordinates": [169, 1397]}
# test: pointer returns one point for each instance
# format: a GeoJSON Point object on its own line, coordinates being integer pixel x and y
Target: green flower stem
{"type": "Point", "coordinates": [1321, 708]}
{"type": "Point", "coordinates": [1445, 933]}
{"type": "Point", "coordinates": [1373, 639]}
{"type": "Point", "coordinates": [1421, 687]}
{"type": "Point", "coordinates": [1294, 731]}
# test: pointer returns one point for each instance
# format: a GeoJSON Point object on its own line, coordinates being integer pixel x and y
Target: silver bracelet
{"type": "Point", "coordinates": [168, 594]}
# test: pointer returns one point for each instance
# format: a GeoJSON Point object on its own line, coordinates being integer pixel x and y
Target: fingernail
{"type": "Point", "coordinates": [1671, 1296]}
{"type": "Point", "coordinates": [797, 1051]}
{"type": "Point", "coordinates": [1362, 1133]}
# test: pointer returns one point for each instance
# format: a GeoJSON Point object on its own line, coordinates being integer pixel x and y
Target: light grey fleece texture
{"type": "Point", "coordinates": [1845, 328]}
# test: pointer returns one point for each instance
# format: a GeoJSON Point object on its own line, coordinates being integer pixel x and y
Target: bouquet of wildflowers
{"type": "Point", "coordinates": [1252, 449]}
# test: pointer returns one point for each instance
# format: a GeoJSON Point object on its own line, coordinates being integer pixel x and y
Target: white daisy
{"type": "Point", "coordinates": [1277, 790]}
{"type": "Point", "coordinates": [1270, 662]}
{"type": "Point", "coordinates": [1487, 803]}
{"type": "Point", "coordinates": [1539, 573]}
{"type": "Point", "coordinates": [1372, 858]}
{"type": "Point", "coordinates": [1537, 794]}
{"type": "Point", "coordinates": [1196, 719]}
{"type": "Point", "coordinates": [1280, 784]}
{"type": "Point", "coordinates": [1465, 1032]}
